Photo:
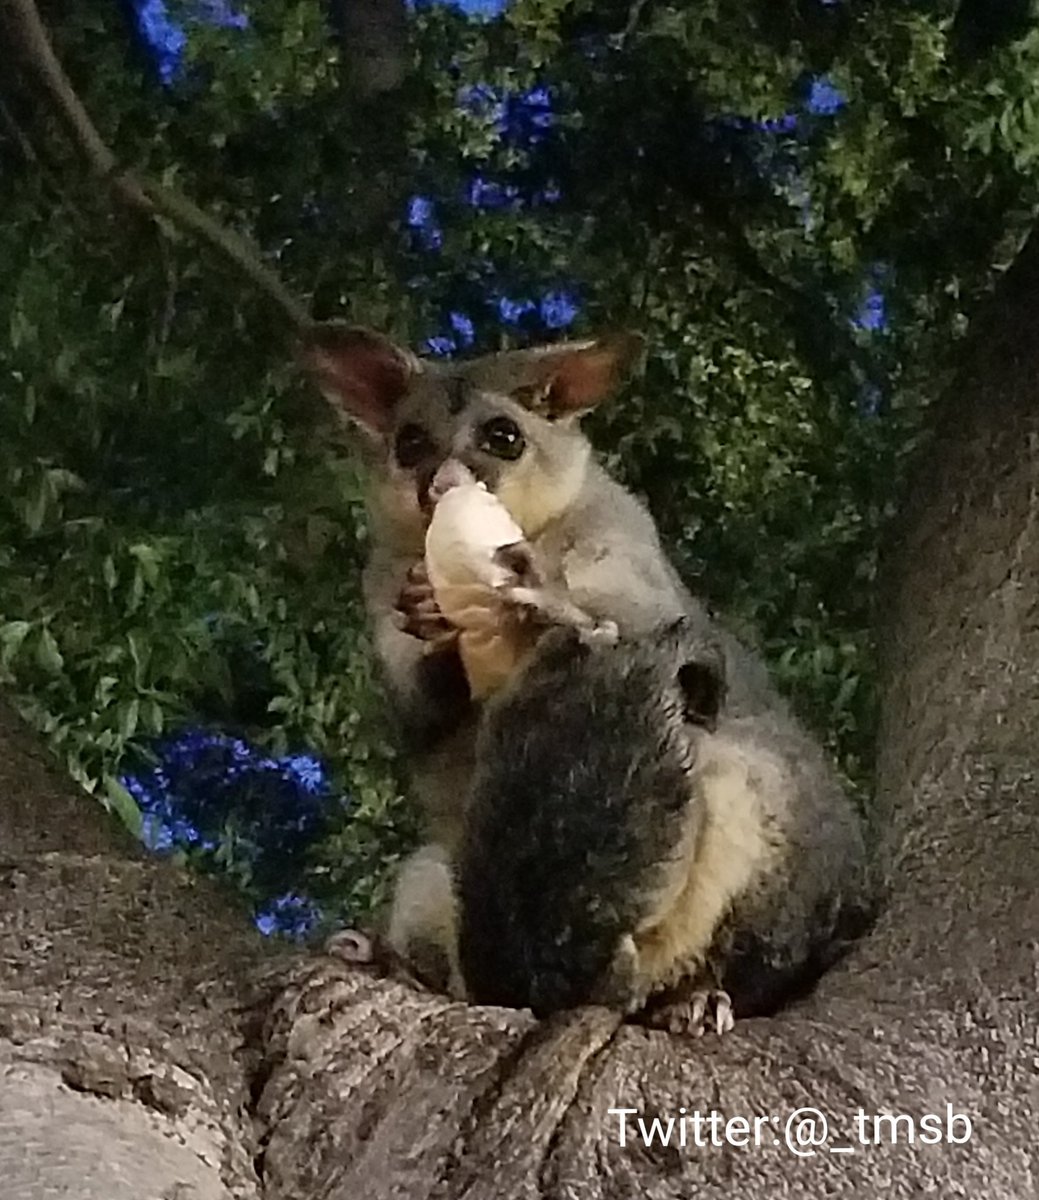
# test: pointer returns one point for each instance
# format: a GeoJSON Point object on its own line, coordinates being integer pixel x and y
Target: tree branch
{"type": "Point", "coordinates": [17, 134]}
{"type": "Point", "coordinates": [147, 196]}
{"type": "Point", "coordinates": [244, 254]}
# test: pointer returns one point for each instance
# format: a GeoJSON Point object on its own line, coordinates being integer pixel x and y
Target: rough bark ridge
{"type": "Point", "coordinates": [122, 1071]}
{"type": "Point", "coordinates": [149, 1050]}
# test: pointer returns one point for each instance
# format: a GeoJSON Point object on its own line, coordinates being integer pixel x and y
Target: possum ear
{"type": "Point", "coordinates": [564, 380]}
{"type": "Point", "coordinates": [702, 681]}
{"type": "Point", "coordinates": [580, 379]}
{"type": "Point", "coordinates": [361, 373]}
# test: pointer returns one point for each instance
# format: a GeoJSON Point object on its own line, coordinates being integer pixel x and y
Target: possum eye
{"type": "Point", "coordinates": [502, 437]}
{"type": "Point", "coordinates": [411, 445]}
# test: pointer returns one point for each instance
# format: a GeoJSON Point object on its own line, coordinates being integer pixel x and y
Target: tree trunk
{"type": "Point", "coordinates": [373, 39]}
{"type": "Point", "coordinates": [368, 152]}
{"type": "Point", "coordinates": [120, 980]}
{"type": "Point", "coordinates": [152, 1046]}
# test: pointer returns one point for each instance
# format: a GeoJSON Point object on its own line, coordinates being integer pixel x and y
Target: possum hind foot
{"type": "Point", "coordinates": [360, 949]}
{"type": "Point", "coordinates": [353, 946]}
{"type": "Point", "coordinates": [691, 1012]}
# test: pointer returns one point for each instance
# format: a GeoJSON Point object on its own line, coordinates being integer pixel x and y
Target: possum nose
{"type": "Point", "coordinates": [451, 473]}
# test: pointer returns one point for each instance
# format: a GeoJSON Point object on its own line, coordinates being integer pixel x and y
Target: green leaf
{"type": "Point", "coordinates": [34, 507]}
{"type": "Point", "coordinates": [12, 635]}
{"type": "Point", "coordinates": [128, 717]}
{"type": "Point", "coordinates": [48, 656]}
{"type": "Point", "coordinates": [122, 803]}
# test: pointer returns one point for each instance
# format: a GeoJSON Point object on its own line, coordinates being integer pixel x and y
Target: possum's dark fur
{"type": "Point", "coordinates": [631, 830]}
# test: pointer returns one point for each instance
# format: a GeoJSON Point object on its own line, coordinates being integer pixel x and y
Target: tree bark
{"type": "Point", "coordinates": [373, 39]}
{"type": "Point", "coordinates": [151, 1045]}
{"type": "Point", "coordinates": [121, 981]}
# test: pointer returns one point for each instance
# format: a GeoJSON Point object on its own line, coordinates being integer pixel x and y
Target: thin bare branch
{"type": "Point", "coordinates": [148, 197]}
{"type": "Point", "coordinates": [17, 134]}
{"type": "Point", "coordinates": [185, 214]}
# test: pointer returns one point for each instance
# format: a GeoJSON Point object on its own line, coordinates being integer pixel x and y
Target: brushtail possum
{"type": "Point", "coordinates": [638, 838]}
{"type": "Point", "coordinates": [511, 422]}
{"type": "Point", "coordinates": [486, 582]}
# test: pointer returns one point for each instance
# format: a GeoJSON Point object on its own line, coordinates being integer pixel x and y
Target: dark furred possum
{"type": "Point", "coordinates": [636, 837]}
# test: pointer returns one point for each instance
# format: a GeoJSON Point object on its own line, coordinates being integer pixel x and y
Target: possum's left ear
{"type": "Point", "coordinates": [702, 681]}
{"type": "Point", "coordinates": [568, 379]}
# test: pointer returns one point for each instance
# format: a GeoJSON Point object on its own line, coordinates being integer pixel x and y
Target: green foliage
{"type": "Point", "coordinates": [180, 539]}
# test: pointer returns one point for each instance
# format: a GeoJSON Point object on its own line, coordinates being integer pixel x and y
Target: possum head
{"type": "Point", "coordinates": [512, 418]}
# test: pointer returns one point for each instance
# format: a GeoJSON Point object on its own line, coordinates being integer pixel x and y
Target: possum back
{"type": "Point", "coordinates": [632, 832]}
{"type": "Point", "coordinates": [552, 875]}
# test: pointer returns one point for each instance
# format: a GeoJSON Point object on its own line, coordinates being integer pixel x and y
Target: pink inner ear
{"type": "Point", "coordinates": [361, 372]}
{"type": "Point", "coordinates": [586, 377]}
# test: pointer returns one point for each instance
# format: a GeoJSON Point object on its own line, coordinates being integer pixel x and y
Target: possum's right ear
{"type": "Point", "coordinates": [362, 374]}
{"type": "Point", "coordinates": [702, 681]}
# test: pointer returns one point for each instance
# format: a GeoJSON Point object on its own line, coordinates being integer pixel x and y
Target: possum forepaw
{"type": "Point", "coordinates": [693, 1014]}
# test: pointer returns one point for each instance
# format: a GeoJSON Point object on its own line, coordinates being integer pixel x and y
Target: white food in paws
{"type": "Point", "coordinates": [469, 525]}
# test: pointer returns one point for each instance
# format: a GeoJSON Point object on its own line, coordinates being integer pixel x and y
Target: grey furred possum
{"type": "Point", "coordinates": [639, 837]}
{"type": "Point", "coordinates": [513, 420]}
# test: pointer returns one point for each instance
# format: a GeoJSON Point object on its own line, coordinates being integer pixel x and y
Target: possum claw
{"type": "Point", "coordinates": [370, 950]}
{"type": "Point", "coordinates": [693, 1014]}
{"type": "Point", "coordinates": [724, 1020]}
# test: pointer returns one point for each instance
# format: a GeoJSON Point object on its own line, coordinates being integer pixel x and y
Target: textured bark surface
{"type": "Point", "coordinates": [150, 1047]}
{"type": "Point", "coordinates": [373, 37]}
{"type": "Point", "coordinates": [375, 58]}
{"type": "Point", "coordinates": [122, 1071]}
